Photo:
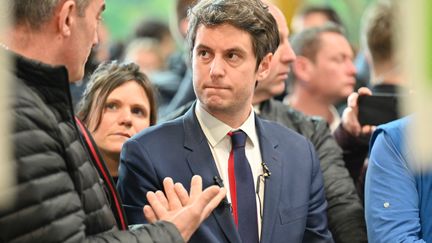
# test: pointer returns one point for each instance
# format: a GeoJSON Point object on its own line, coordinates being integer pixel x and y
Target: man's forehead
{"type": "Point", "coordinates": [336, 43]}
{"type": "Point", "coordinates": [236, 38]}
{"type": "Point", "coordinates": [233, 30]}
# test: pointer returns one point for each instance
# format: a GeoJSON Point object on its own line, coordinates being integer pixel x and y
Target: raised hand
{"type": "Point", "coordinates": [185, 211]}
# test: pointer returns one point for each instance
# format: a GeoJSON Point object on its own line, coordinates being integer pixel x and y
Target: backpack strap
{"type": "Point", "coordinates": [97, 160]}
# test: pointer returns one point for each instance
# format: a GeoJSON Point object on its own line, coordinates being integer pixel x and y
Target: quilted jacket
{"type": "Point", "coordinates": [59, 194]}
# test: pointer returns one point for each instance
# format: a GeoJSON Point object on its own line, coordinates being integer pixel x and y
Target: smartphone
{"type": "Point", "coordinates": [378, 108]}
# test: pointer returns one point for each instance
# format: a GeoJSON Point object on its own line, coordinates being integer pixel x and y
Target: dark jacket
{"type": "Point", "coordinates": [60, 196]}
{"type": "Point", "coordinates": [345, 212]}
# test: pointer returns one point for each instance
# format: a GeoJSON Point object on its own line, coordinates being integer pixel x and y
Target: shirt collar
{"type": "Point", "coordinates": [215, 130]}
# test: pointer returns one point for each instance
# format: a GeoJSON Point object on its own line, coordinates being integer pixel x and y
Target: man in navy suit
{"type": "Point", "coordinates": [231, 45]}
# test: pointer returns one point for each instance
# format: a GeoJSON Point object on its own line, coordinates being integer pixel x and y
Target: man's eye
{"type": "Point", "coordinates": [203, 53]}
{"type": "Point", "coordinates": [233, 56]}
{"type": "Point", "coordinates": [338, 59]}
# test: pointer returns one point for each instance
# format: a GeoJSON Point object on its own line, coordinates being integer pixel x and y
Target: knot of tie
{"type": "Point", "coordinates": [238, 139]}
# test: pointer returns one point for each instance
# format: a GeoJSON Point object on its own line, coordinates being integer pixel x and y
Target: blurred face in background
{"type": "Point", "coordinates": [332, 74]}
{"type": "Point", "coordinates": [274, 83]}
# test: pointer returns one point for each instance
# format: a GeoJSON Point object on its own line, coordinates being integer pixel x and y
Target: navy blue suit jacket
{"type": "Point", "coordinates": [294, 201]}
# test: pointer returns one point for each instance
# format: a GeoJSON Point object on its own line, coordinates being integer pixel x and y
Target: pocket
{"type": "Point", "coordinates": [288, 215]}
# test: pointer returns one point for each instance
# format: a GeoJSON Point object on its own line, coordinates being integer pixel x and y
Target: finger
{"type": "Point", "coordinates": [364, 91]}
{"type": "Point", "coordinates": [162, 199]}
{"type": "Point", "coordinates": [149, 214]}
{"type": "Point", "coordinates": [173, 200]}
{"type": "Point", "coordinates": [196, 187]}
{"type": "Point", "coordinates": [214, 202]}
{"type": "Point", "coordinates": [350, 121]}
{"type": "Point", "coordinates": [367, 130]}
{"type": "Point", "coordinates": [352, 100]}
{"type": "Point", "coordinates": [158, 208]}
{"type": "Point", "coordinates": [209, 200]}
{"type": "Point", "coordinates": [182, 193]}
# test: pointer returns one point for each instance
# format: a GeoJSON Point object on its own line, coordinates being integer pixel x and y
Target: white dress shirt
{"type": "Point", "coordinates": [219, 142]}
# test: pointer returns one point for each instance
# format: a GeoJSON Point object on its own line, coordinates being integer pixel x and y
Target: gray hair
{"type": "Point", "coordinates": [37, 12]}
{"type": "Point", "coordinates": [251, 16]}
{"type": "Point", "coordinates": [308, 42]}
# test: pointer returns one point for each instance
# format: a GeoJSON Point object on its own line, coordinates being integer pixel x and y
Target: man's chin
{"type": "Point", "coordinates": [76, 77]}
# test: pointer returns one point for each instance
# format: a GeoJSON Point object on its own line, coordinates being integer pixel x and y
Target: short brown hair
{"type": "Point", "coordinates": [37, 12]}
{"type": "Point", "coordinates": [308, 42]}
{"type": "Point", "coordinates": [251, 16]}
{"type": "Point", "coordinates": [106, 78]}
{"type": "Point", "coordinates": [379, 30]}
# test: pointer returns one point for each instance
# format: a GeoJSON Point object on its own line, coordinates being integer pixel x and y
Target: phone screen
{"type": "Point", "coordinates": [378, 109]}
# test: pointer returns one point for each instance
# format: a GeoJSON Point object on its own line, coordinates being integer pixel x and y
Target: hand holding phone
{"type": "Point", "coordinates": [378, 108]}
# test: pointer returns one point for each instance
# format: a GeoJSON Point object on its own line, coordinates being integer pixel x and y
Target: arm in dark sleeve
{"type": "Point", "coordinates": [316, 225]}
{"type": "Point", "coordinates": [355, 151]}
{"type": "Point", "coordinates": [344, 212]}
{"type": "Point", "coordinates": [48, 207]}
{"type": "Point", "coordinates": [137, 176]}
{"type": "Point", "coordinates": [149, 233]}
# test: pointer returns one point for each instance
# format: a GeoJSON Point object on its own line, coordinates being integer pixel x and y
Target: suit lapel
{"type": "Point", "coordinates": [201, 162]}
{"type": "Point", "coordinates": [273, 184]}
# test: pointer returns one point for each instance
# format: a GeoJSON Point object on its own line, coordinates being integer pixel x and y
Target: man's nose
{"type": "Point", "coordinates": [351, 68]}
{"type": "Point", "coordinates": [287, 53]}
{"type": "Point", "coordinates": [217, 68]}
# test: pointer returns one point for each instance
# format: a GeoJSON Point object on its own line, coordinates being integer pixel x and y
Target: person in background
{"type": "Point", "coordinates": [160, 32]}
{"type": "Point", "coordinates": [398, 187]}
{"type": "Point", "coordinates": [345, 211]}
{"type": "Point", "coordinates": [179, 62]}
{"type": "Point", "coordinates": [147, 54]}
{"type": "Point", "coordinates": [118, 103]}
{"type": "Point", "coordinates": [322, 74]}
{"type": "Point", "coordinates": [318, 15]}
{"type": "Point", "coordinates": [60, 196]}
{"type": "Point", "coordinates": [153, 48]}
{"type": "Point", "coordinates": [314, 16]}
{"type": "Point", "coordinates": [274, 176]}
{"type": "Point", "coordinates": [387, 78]}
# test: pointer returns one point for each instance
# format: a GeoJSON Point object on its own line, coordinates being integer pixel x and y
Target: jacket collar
{"type": "Point", "coordinates": [36, 73]}
{"type": "Point", "coordinates": [273, 184]}
{"type": "Point", "coordinates": [51, 81]}
{"type": "Point", "coordinates": [201, 162]}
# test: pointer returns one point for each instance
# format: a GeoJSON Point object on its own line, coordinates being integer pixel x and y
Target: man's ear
{"type": "Point", "coordinates": [264, 67]}
{"type": "Point", "coordinates": [302, 68]}
{"type": "Point", "coordinates": [66, 17]}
